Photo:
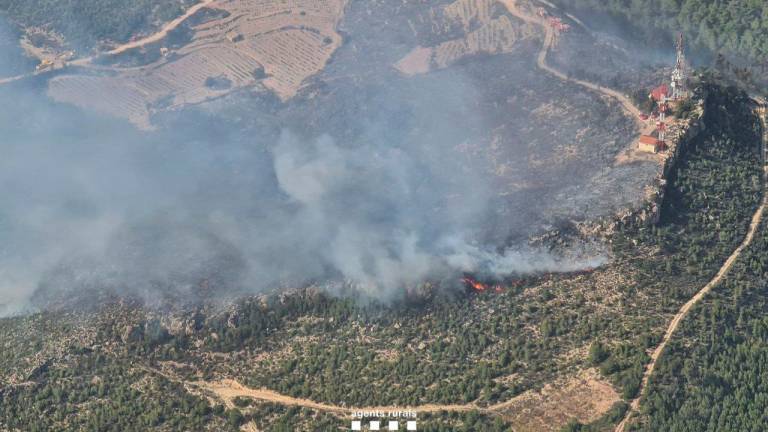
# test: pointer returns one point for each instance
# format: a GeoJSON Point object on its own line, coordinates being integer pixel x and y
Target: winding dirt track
{"type": "Point", "coordinates": [11, 79]}
{"type": "Point", "coordinates": [157, 36]}
{"type": "Point", "coordinates": [229, 389]}
{"type": "Point", "coordinates": [163, 32]}
{"type": "Point", "coordinates": [631, 110]}
{"type": "Point", "coordinates": [154, 37]}
{"type": "Point", "coordinates": [683, 312]}
{"type": "Point", "coordinates": [541, 62]}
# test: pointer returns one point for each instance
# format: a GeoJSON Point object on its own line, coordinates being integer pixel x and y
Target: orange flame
{"type": "Point", "coordinates": [477, 286]}
{"type": "Point", "coordinates": [516, 283]}
{"type": "Point", "coordinates": [480, 287]}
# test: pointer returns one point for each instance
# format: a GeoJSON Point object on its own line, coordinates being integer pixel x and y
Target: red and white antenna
{"type": "Point", "coordinates": [661, 125]}
{"type": "Point", "coordinates": [661, 128]}
{"type": "Point", "coordinates": [679, 74]}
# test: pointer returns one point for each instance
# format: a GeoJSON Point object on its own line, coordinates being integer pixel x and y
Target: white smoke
{"type": "Point", "coordinates": [381, 259]}
{"type": "Point", "coordinates": [521, 259]}
{"type": "Point", "coordinates": [89, 204]}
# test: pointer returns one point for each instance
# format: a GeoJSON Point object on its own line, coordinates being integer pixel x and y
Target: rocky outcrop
{"type": "Point", "coordinates": [649, 212]}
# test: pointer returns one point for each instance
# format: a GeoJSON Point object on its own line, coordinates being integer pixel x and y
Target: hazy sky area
{"type": "Point", "coordinates": [89, 202]}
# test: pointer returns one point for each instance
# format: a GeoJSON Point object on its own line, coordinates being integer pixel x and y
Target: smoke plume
{"type": "Point", "coordinates": [204, 207]}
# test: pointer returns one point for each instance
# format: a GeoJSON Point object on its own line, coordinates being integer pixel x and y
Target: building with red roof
{"type": "Point", "coordinates": [650, 144]}
{"type": "Point", "coordinates": [660, 93]}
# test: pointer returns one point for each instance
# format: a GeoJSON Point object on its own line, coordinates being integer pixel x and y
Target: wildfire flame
{"type": "Point", "coordinates": [480, 287]}
{"type": "Point", "coordinates": [477, 286]}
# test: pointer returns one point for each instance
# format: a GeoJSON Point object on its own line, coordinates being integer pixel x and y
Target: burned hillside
{"type": "Point", "coordinates": [536, 136]}
{"type": "Point", "coordinates": [363, 170]}
{"type": "Point", "coordinates": [297, 214]}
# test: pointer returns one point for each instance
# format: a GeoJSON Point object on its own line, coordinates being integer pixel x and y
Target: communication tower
{"type": "Point", "coordinates": [661, 124]}
{"type": "Point", "coordinates": [661, 128]}
{"type": "Point", "coordinates": [679, 76]}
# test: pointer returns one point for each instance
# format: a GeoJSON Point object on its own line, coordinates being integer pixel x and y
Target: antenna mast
{"type": "Point", "coordinates": [679, 74]}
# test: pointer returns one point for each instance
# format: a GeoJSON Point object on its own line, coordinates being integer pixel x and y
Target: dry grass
{"type": "Point", "coordinates": [585, 397]}
{"type": "Point", "coordinates": [482, 34]}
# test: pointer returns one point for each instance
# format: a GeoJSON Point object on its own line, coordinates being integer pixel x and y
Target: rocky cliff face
{"type": "Point", "coordinates": [682, 133]}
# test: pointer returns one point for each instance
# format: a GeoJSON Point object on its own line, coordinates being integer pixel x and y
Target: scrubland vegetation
{"type": "Point", "coordinates": [447, 348]}
{"type": "Point", "coordinates": [712, 375]}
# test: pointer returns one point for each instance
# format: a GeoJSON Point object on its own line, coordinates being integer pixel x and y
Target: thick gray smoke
{"type": "Point", "coordinates": [89, 203]}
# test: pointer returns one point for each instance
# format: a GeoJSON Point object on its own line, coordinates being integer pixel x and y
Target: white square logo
{"type": "Point", "coordinates": [375, 424]}
{"type": "Point", "coordinates": [357, 425]}
{"type": "Point", "coordinates": [393, 425]}
{"type": "Point", "coordinates": [411, 425]}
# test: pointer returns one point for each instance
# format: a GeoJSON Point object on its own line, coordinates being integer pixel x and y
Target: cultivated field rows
{"type": "Point", "coordinates": [483, 33]}
{"type": "Point", "coordinates": [276, 44]}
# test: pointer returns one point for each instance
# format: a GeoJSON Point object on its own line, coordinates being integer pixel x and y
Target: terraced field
{"type": "Point", "coordinates": [398, 62]}
{"type": "Point", "coordinates": [485, 31]}
{"type": "Point", "coordinates": [275, 46]}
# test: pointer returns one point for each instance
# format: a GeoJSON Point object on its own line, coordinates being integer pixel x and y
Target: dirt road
{"type": "Point", "coordinates": [683, 312]}
{"type": "Point", "coordinates": [585, 396]}
{"type": "Point", "coordinates": [631, 110]}
{"type": "Point", "coordinates": [11, 79]}
{"type": "Point", "coordinates": [163, 32]}
{"type": "Point", "coordinates": [229, 389]}
{"type": "Point", "coordinates": [159, 35]}
{"type": "Point", "coordinates": [541, 62]}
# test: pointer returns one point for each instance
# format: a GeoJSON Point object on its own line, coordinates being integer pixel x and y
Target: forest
{"type": "Point", "coordinates": [713, 374]}
{"type": "Point", "coordinates": [700, 223]}
{"type": "Point", "coordinates": [84, 23]}
{"type": "Point", "coordinates": [449, 347]}
{"type": "Point", "coordinates": [738, 26]}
